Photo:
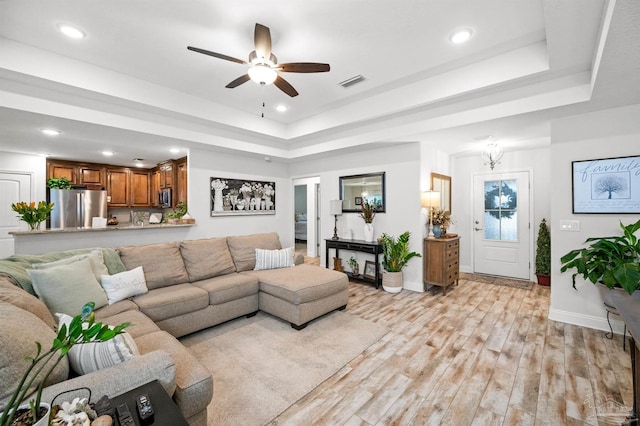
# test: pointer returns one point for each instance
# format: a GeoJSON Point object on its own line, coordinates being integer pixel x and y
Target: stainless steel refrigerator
{"type": "Point", "coordinates": [76, 208]}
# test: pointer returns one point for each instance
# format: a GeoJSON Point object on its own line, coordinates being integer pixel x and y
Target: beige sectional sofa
{"type": "Point", "coordinates": [192, 285]}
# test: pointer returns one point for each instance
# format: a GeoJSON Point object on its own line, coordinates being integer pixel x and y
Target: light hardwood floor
{"type": "Point", "coordinates": [483, 354]}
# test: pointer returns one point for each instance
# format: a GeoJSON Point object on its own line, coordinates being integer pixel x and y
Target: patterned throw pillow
{"type": "Point", "coordinates": [125, 284]}
{"type": "Point", "coordinates": [274, 259]}
{"type": "Point", "coordinates": [89, 357]}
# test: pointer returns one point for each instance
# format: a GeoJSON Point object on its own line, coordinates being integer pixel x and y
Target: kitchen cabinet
{"type": "Point", "coordinates": [441, 262]}
{"type": "Point", "coordinates": [61, 170]}
{"type": "Point", "coordinates": [181, 182]}
{"type": "Point", "coordinates": [155, 186]}
{"type": "Point", "coordinates": [167, 174]}
{"type": "Point", "coordinates": [93, 176]}
{"type": "Point", "coordinates": [118, 187]}
{"type": "Point", "coordinates": [140, 184]}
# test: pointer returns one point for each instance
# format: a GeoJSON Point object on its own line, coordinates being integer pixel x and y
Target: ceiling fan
{"type": "Point", "coordinates": [264, 65]}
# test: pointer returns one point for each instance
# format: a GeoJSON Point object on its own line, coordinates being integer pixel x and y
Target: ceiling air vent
{"type": "Point", "coordinates": [351, 81]}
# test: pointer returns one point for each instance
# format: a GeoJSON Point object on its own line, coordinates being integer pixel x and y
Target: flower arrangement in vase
{"type": "Point", "coordinates": [33, 214]}
{"type": "Point", "coordinates": [441, 221]}
{"type": "Point", "coordinates": [367, 214]}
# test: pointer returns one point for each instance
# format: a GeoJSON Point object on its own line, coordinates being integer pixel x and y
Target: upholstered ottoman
{"type": "Point", "coordinates": [301, 293]}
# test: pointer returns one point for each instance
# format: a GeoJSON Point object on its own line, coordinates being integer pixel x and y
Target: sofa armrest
{"type": "Point", "coordinates": [113, 381]}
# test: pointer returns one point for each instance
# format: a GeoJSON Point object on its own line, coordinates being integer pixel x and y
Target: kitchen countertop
{"type": "Point", "coordinates": [127, 226]}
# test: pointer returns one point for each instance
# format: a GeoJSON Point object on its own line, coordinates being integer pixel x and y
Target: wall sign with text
{"type": "Point", "coordinates": [608, 185]}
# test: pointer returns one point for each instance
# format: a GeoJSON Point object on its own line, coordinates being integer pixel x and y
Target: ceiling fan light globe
{"type": "Point", "coordinates": [262, 74]}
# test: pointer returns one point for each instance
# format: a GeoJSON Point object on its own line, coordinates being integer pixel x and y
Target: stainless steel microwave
{"type": "Point", "coordinates": [164, 198]}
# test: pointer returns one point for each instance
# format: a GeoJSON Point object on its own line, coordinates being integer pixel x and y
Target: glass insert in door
{"type": "Point", "coordinates": [501, 210]}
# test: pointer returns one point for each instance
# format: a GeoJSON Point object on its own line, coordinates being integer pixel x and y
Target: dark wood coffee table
{"type": "Point", "coordinates": [166, 411]}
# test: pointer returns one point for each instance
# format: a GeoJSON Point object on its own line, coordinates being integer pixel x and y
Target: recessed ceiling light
{"type": "Point", "coordinates": [139, 165]}
{"type": "Point", "coordinates": [51, 132]}
{"type": "Point", "coordinates": [281, 108]}
{"type": "Point", "coordinates": [71, 31]}
{"type": "Point", "coordinates": [460, 36]}
{"type": "Point", "coordinates": [174, 150]}
{"type": "Point", "coordinates": [107, 153]}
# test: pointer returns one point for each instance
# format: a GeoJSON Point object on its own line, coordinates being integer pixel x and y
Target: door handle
{"type": "Point", "coordinates": [477, 229]}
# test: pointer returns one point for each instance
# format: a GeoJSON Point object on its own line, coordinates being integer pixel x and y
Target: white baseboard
{"type": "Point", "coordinates": [590, 321]}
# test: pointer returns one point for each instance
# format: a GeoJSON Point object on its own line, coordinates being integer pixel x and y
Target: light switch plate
{"type": "Point", "coordinates": [570, 225]}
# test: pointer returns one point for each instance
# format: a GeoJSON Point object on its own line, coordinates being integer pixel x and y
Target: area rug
{"type": "Point", "coordinates": [491, 279]}
{"type": "Point", "coordinates": [261, 365]}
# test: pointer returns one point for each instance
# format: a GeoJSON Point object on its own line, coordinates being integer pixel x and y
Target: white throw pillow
{"type": "Point", "coordinates": [95, 257]}
{"type": "Point", "coordinates": [89, 357]}
{"type": "Point", "coordinates": [67, 288]}
{"type": "Point", "coordinates": [274, 259]}
{"type": "Point", "coordinates": [125, 284]}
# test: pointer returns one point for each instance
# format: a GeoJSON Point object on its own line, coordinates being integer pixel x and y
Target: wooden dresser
{"type": "Point", "coordinates": [441, 262]}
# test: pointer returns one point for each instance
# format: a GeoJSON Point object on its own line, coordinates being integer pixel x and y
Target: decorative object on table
{"type": "Point", "coordinates": [614, 261]}
{"type": "Point", "coordinates": [396, 254]}
{"type": "Point", "coordinates": [605, 185]}
{"type": "Point", "coordinates": [337, 264]}
{"type": "Point", "coordinates": [368, 212]}
{"type": "Point", "coordinates": [369, 270]}
{"type": "Point", "coordinates": [353, 264]}
{"type": "Point", "coordinates": [430, 200]}
{"type": "Point", "coordinates": [242, 197]}
{"type": "Point", "coordinates": [33, 214]}
{"type": "Point", "coordinates": [80, 411]}
{"type": "Point", "coordinates": [155, 218]}
{"type": "Point", "coordinates": [58, 183]}
{"type": "Point", "coordinates": [335, 208]}
{"type": "Point", "coordinates": [441, 221]}
{"type": "Point", "coordinates": [112, 221]}
{"type": "Point", "coordinates": [82, 329]}
{"type": "Point", "coordinates": [543, 254]}
{"type": "Point", "coordinates": [179, 216]}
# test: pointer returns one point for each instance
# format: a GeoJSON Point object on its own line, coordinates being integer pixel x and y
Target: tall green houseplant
{"type": "Point", "coordinates": [543, 254]}
{"type": "Point", "coordinates": [396, 254]}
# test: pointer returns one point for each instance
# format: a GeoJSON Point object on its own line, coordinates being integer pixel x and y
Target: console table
{"type": "Point", "coordinates": [441, 262]}
{"type": "Point", "coordinates": [628, 306]}
{"type": "Point", "coordinates": [362, 246]}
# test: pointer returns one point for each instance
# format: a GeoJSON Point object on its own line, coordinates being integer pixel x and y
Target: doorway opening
{"type": "Point", "coordinates": [307, 220]}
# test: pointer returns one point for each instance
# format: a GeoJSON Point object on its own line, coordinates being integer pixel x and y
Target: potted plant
{"type": "Point", "coordinates": [33, 214]}
{"type": "Point", "coordinates": [543, 255]}
{"type": "Point", "coordinates": [353, 264]}
{"type": "Point", "coordinates": [82, 329]}
{"type": "Point", "coordinates": [179, 215]}
{"type": "Point", "coordinates": [395, 256]}
{"type": "Point", "coordinates": [58, 183]}
{"type": "Point", "coordinates": [367, 214]}
{"type": "Point", "coordinates": [613, 261]}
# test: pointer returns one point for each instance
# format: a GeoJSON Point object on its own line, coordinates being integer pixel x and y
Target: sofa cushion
{"type": "Point", "coordinates": [140, 323]}
{"type": "Point", "coordinates": [300, 284]}
{"type": "Point", "coordinates": [168, 302]}
{"type": "Point", "coordinates": [89, 357]}
{"type": "Point", "coordinates": [96, 260]}
{"type": "Point", "coordinates": [20, 332]}
{"type": "Point", "coordinates": [15, 295]}
{"type": "Point", "coordinates": [67, 288]}
{"type": "Point", "coordinates": [194, 384]}
{"type": "Point", "coordinates": [243, 248]}
{"type": "Point", "coordinates": [206, 258]}
{"type": "Point", "coordinates": [123, 285]}
{"type": "Point", "coordinates": [162, 263]}
{"type": "Point", "coordinates": [228, 287]}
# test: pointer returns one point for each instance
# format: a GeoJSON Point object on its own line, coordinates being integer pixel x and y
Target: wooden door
{"type": "Point", "coordinates": [140, 188]}
{"type": "Point", "coordinates": [118, 187]}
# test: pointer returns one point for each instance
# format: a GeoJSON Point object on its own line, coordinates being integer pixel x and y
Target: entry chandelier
{"type": "Point", "coordinates": [492, 154]}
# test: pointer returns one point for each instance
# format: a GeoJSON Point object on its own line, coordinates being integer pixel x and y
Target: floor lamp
{"type": "Point", "coordinates": [430, 200]}
{"type": "Point", "coordinates": [335, 208]}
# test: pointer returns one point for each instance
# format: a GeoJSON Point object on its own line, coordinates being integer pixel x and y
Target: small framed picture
{"type": "Point", "coordinates": [369, 270]}
{"type": "Point", "coordinates": [358, 201]}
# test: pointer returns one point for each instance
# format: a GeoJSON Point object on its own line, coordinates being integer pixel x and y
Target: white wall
{"type": "Point", "coordinates": [464, 168]}
{"type": "Point", "coordinates": [604, 134]}
{"type": "Point", "coordinates": [401, 165]}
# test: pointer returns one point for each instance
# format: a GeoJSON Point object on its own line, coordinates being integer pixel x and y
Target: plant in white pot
{"type": "Point", "coordinates": [396, 255]}
{"type": "Point", "coordinates": [81, 329]}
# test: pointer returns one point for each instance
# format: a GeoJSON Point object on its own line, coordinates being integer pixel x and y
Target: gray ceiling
{"type": "Point", "coordinates": [131, 85]}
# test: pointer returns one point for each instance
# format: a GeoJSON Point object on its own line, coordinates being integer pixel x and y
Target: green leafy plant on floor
{"type": "Point", "coordinates": [396, 252]}
{"type": "Point", "coordinates": [614, 261]}
{"type": "Point", "coordinates": [82, 329]}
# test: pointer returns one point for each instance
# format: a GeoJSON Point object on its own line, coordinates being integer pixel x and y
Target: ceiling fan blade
{"type": "Point", "coordinates": [217, 55]}
{"type": "Point", "coordinates": [304, 67]}
{"type": "Point", "coordinates": [262, 41]}
{"type": "Point", "coordinates": [238, 81]}
{"type": "Point", "coordinates": [284, 85]}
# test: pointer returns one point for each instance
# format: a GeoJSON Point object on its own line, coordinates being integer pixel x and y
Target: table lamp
{"type": "Point", "coordinates": [335, 208]}
{"type": "Point", "coordinates": [430, 200]}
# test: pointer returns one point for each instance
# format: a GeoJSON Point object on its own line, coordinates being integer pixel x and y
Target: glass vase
{"type": "Point", "coordinates": [34, 226]}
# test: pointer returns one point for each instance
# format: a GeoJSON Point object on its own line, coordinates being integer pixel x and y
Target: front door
{"type": "Point", "coordinates": [501, 236]}
{"type": "Point", "coordinates": [14, 187]}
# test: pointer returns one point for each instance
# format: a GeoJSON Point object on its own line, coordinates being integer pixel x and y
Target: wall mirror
{"type": "Point", "coordinates": [358, 188]}
{"type": "Point", "coordinates": [442, 184]}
